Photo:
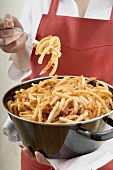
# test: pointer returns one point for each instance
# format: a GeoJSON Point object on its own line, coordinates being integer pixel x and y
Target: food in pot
{"type": "Point", "coordinates": [66, 100]}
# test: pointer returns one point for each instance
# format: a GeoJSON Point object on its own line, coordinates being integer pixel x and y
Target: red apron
{"type": "Point", "coordinates": [86, 46]}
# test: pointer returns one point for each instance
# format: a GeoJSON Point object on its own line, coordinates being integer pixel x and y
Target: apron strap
{"type": "Point", "coordinates": [53, 7]}
{"type": "Point", "coordinates": [111, 17]}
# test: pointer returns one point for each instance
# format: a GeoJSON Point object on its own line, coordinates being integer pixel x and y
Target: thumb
{"type": "Point", "coordinates": [41, 159]}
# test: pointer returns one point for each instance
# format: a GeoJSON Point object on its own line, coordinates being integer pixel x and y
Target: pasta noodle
{"type": "Point", "coordinates": [66, 100]}
{"type": "Point", "coordinates": [49, 45]}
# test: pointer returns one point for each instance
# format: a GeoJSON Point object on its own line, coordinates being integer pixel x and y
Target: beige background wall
{"type": "Point", "coordinates": [9, 153]}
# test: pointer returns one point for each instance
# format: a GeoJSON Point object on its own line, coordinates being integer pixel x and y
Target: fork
{"type": "Point", "coordinates": [34, 41]}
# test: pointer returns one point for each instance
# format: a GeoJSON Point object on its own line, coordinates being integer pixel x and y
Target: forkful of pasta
{"type": "Point", "coordinates": [49, 45]}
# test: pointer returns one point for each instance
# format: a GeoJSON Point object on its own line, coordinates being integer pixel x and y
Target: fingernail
{"type": "Point", "coordinates": [37, 155]}
{"type": "Point", "coordinates": [1, 41]}
{"type": "Point", "coordinates": [10, 24]}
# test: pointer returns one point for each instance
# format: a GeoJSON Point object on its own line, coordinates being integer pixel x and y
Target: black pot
{"type": "Point", "coordinates": [60, 140]}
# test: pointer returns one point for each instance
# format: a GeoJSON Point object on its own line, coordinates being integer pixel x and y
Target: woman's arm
{"type": "Point", "coordinates": [21, 59]}
{"type": "Point", "coordinates": [13, 42]}
{"type": "Point", "coordinates": [17, 44]}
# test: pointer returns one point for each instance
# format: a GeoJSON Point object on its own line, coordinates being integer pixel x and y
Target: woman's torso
{"type": "Point", "coordinates": [31, 20]}
{"type": "Point", "coordinates": [84, 45]}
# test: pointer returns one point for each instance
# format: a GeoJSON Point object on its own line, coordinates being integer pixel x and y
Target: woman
{"type": "Point", "coordinates": [82, 27]}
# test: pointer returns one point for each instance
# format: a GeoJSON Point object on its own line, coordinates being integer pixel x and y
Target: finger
{"type": "Point", "coordinates": [8, 40]}
{"type": "Point", "coordinates": [15, 46]}
{"type": "Point", "coordinates": [8, 33]}
{"type": "Point", "coordinates": [6, 24]}
{"type": "Point", "coordinates": [21, 146]}
{"type": "Point", "coordinates": [14, 20]}
{"type": "Point", "coordinates": [28, 153]}
{"type": "Point", "coordinates": [41, 159]}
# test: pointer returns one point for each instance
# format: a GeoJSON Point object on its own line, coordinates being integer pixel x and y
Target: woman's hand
{"type": "Point", "coordinates": [38, 156]}
{"type": "Point", "coordinates": [10, 40]}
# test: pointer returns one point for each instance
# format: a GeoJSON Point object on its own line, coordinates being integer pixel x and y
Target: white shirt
{"type": "Point", "coordinates": [32, 13]}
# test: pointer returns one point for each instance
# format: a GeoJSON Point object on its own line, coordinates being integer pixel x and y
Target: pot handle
{"type": "Point", "coordinates": [99, 136]}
